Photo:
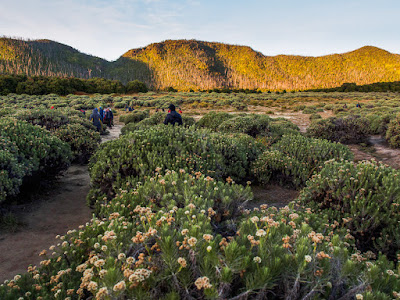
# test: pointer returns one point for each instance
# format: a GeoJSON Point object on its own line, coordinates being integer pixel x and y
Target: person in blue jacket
{"type": "Point", "coordinates": [95, 118]}
{"type": "Point", "coordinates": [173, 117]}
{"type": "Point", "coordinates": [101, 112]}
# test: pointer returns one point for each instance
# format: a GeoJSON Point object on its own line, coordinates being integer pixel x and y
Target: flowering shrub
{"type": "Point", "coordinates": [28, 151]}
{"type": "Point", "coordinates": [134, 156]}
{"type": "Point", "coordinates": [347, 130]}
{"type": "Point", "coordinates": [294, 158]}
{"type": "Point", "coordinates": [393, 133]}
{"type": "Point", "coordinates": [256, 125]}
{"type": "Point", "coordinates": [213, 120]}
{"type": "Point", "coordinates": [83, 141]}
{"type": "Point", "coordinates": [169, 248]}
{"type": "Point", "coordinates": [68, 125]}
{"type": "Point", "coordinates": [155, 119]}
{"type": "Point", "coordinates": [134, 117]}
{"type": "Point", "coordinates": [11, 170]}
{"type": "Point", "coordinates": [364, 198]}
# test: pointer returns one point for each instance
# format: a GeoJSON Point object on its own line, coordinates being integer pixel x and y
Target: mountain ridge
{"type": "Point", "coordinates": [198, 65]}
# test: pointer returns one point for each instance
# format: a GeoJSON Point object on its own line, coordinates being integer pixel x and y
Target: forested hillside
{"type": "Point", "coordinates": [197, 65]}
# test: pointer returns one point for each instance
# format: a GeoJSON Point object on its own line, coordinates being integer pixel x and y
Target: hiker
{"type": "Point", "coordinates": [101, 113]}
{"type": "Point", "coordinates": [95, 118]}
{"type": "Point", "coordinates": [358, 105]}
{"type": "Point", "coordinates": [109, 117]}
{"type": "Point", "coordinates": [173, 117]}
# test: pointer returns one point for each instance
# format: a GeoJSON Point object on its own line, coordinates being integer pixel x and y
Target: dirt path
{"type": "Point", "coordinates": [379, 150]}
{"type": "Point", "coordinates": [63, 209]}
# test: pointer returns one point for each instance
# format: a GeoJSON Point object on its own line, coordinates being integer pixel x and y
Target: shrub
{"type": "Point", "coordinates": [47, 118]}
{"type": "Point", "coordinates": [315, 117]}
{"type": "Point", "coordinates": [347, 130]}
{"type": "Point", "coordinates": [259, 125]}
{"type": "Point", "coordinates": [212, 120]}
{"type": "Point", "coordinates": [393, 133]}
{"type": "Point", "coordinates": [363, 197]}
{"type": "Point", "coordinates": [38, 150]}
{"type": "Point", "coordinates": [136, 86]}
{"type": "Point", "coordinates": [11, 170]}
{"type": "Point", "coordinates": [134, 117]}
{"type": "Point", "coordinates": [175, 247]}
{"type": "Point", "coordinates": [28, 152]}
{"type": "Point", "coordinates": [294, 158]}
{"type": "Point", "coordinates": [135, 154]}
{"type": "Point", "coordinates": [83, 141]}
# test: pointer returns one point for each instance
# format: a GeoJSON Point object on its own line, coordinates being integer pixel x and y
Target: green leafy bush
{"type": "Point", "coordinates": [213, 119]}
{"type": "Point", "coordinates": [135, 155]}
{"type": "Point", "coordinates": [38, 150]}
{"type": "Point", "coordinates": [393, 133]}
{"type": "Point", "coordinates": [134, 117]}
{"type": "Point", "coordinates": [258, 125]}
{"type": "Point", "coordinates": [363, 197]}
{"type": "Point", "coordinates": [84, 142]}
{"type": "Point", "coordinates": [12, 171]}
{"type": "Point", "coordinates": [163, 239]}
{"type": "Point", "coordinates": [294, 158]}
{"type": "Point", "coordinates": [347, 130]}
{"type": "Point", "coordinates": [28, 152]}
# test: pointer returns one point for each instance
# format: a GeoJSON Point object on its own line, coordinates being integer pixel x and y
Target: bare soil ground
{"type": "Point", "coordinates": [273, 195]}
{"type": "Point", "coordinates": [62, 209]}
{"type": "Point", "coordinates": [378, 150]}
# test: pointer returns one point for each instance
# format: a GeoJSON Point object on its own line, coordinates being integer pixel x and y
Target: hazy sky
{"type": "Point", "coordinates": [109, 28]}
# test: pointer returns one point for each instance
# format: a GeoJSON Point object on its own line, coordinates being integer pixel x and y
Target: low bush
{"type": "Point", "coordinates": [174, 248]}
{"type": "Point", "coordinates": [294, 158]}
{"type": "Point", "coordinates": [83, 142]}
{"type": "Point", "coordinates": [346, 130]}
{"type": "Point", "coordinates": [258, 125]}
{"type": "Point", "coordinates": [363, 197]}
{"type": "Point", "coordinates": [12, 171]}
{"type": "Point", "coordinates": [212, 120]}
{"type": "Point", "coordinates": [134, 117]}
{"type": "Point", "coordinates": [134, 155]}
{"type": "Point", "coordinates": [28, 151]}
{"type": "Point", "coordinates": [393, 133]}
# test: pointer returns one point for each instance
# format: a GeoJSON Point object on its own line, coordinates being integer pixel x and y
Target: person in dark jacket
{"type": "Point", "coordinates": [101, 113]}
{"type": "Point", "coordinates": [173, 117]}
{"type": "Point", "coordinates": [95, 118]}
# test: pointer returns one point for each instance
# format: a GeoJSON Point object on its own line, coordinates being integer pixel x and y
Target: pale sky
{"type": "Point", "coordinates": [108, 29]}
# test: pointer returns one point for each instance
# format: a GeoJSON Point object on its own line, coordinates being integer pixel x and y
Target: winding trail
{"type": "Point", "coordinates": [63, 209]}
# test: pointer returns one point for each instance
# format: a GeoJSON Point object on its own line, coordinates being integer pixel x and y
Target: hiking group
{"type": "Point", "coordinates": [106, 116]}
{"type": "Point", "coordinates": [100, 116]}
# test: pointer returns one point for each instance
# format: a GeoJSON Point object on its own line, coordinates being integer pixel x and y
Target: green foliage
{"type": "Point", "coordinates": [393, 133]}
{"type": "Point", "coordinates": [136, 86]}
{"type": "Point", "coordinates": [166, 238]}
{"type": "Point", "coordinates": [134, 116]}
{"type": "Point", "coordinates": [212, 120]}
{"type": "Point", "coordinates": [69, 126]}
{"type": "Point", "coordinates": [28, 151]}
{"type": "Point", "coordinates": [348, 130]}
{"type": "Point", "coordinates": [258, 125]}
{"type": "Point", "coordinates": [83, 142]}
{"type": "Point", "coordinates": [12, 171]}
{"type": "Point", "coordinates": [294, 158]}
{"type": "Point", "coordinates": [315, 116]}
{"type": "Point", "coordinates": [136, 154]}
{"type": "Point", "coordinates": [364, 197]}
